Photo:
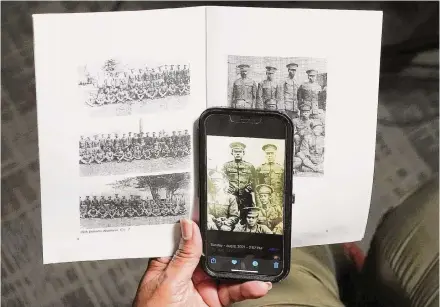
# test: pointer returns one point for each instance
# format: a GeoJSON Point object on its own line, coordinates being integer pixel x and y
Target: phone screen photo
{"type": "Point", "coordinates": [245, 193]}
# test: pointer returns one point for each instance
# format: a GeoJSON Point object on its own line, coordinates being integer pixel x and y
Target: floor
{"type": "Point", "coordinates": [406, 157]}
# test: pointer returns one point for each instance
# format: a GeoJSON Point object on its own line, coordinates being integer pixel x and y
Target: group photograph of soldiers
{"type": "Point", "coordinates": [245, 184]}
{"type": "Point", "coordinates": [141, 200]}
{"type": "Point", "coordinates": [134, 145]}
{"type": "Point", "coordinates": [295, 86]}
{"type": "Point", "coordinates": [139, 86]}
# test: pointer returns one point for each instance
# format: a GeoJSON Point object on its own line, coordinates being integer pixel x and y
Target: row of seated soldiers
{"type": "Point", "coordinates": [135, 206]}
{"type": "Point", "coordinates": [123, 87]}
{"type": "Point", "coordinates": [134, 146]}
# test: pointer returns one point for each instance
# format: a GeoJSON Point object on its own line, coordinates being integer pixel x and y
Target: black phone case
{"type": "Point", "coordinates": [202, 188]}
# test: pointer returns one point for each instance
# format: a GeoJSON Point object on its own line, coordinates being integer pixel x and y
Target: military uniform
{"type": "Point", "coordinates": [308, 93]}
{"type": "Point", "coordinates": [290, 91]}
{"type": "Point", "coordinates": [269, 93]}
{"type": "Point", "coordinates": [272, 174]}
{"type": "Point", "coordinates": [244, 91]}
{"type": "Point", "coordinates": [241, 177]}
{"type": "Point", "coordinates": [257, 228]}
{"type": "Point", "coordinates": [223, 211]}
{"type": "Point", "coordinates": [271, 213]}
{"type": "Point", "coordinates": [312, 149]}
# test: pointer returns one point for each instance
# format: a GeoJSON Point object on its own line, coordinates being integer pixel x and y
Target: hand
{"type": "Point", "coordinates": [248, 188]}
{"type": "Point", "coordinates": [179, 281]}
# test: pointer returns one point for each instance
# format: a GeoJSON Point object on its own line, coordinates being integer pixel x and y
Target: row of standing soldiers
{"type": "Point", "coordinates": [135, 206]}
{"type": "Point", "coordinates": [165, 73]}
{"type": "Point", "coordinates": [288, 96]}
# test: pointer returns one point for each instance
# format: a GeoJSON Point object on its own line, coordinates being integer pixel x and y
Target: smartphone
{"type": "Point", "coordinates": [245, 193]}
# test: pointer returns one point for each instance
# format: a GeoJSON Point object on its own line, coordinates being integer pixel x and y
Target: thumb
{"type": "Point", "coordinates": [187, 256]}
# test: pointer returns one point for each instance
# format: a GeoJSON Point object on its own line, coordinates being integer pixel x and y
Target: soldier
{"type": "Point", "coordinates": [251, 224]}
{"type": "Point", "coordinates": [116, 141]}
{"type": "Point", "coordinates": [82, 142]}
{"type": "Point", "coordinates": [271, 213]}
{"type": "Point", "coordinates": [119, 154]}
{"type": "Point", "coordinates": [244, 90]}
{"type": "Point", "coordinates": [241, 177]}
{"type": "Point", "coordinates": [187, 141]}
{"type": "Point", "coordinates": [271, 173]}
{"type": "Point", "coordinates": [129, 141]}
{"type": "Point", "coordinates": [147, 139]}
{"type": "Point", "coordinates": [222, 206]}
{"type": "Point", "coordinates": [308, 93]}
{"type": "Point", "coordinates": [95, 141]}
{"type": "Point", "coordinates": [311, 150]}
{"type": "Point", "coordinates": [290, 91]}
{"type": "Point", "coordinates": [99, 156]}
{"type": "Point", "coordinates": [302, 126]}
{"type": "Point", "coordinates": [269, 92]}
{"type": "Point", "coordinates": [109, 141]}
{"type": "Point", "coordinates": [108, 155]}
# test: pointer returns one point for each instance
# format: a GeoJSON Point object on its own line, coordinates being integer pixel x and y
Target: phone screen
{"type": "Point", "coordinates": [245, 172]}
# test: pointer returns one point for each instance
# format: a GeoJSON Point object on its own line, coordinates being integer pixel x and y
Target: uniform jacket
{"type": "Point", "coordinates": [239, 175]}
{"type": "Point", "coordinates": [245, 89]}
{"type": "Point", "coordinates": [269, 90]}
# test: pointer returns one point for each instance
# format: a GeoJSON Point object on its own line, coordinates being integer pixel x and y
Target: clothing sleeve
{"type": "Point", "coordinates": [233, 212]}
{"type": "Point", "coordinates": [234, 93]}
{"type": "Point", "coordinates": [305, 147]}
{"type": "Point", "coordinates": [259, 101]}
{"type": "Point", "coordinates": [254, 94]}
{"type": "Point", "coordinates": [279, 97]}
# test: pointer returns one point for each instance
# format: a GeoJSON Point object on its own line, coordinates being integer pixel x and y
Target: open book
{"type": "Point", "coordinates": [118, 94]}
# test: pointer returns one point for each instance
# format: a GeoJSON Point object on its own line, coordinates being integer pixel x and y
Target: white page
{"type": "Point", "coordinates": [67, 46]}
{"type": "Point", "coordinates": [332, 206]}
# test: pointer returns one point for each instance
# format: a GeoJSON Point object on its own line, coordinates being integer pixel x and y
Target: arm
{"type": "Point", "coordinates": [254, 94]}
{"type": "Point", "coordinates": [234, 93]}
{"type": "Point", "coordinates": [259, 100]}
{"type": "Point", "coordinates": [279, 96]}
{"type": "Point", "coordinates": [304, 153]}
{"type": "Point", "coordinates": [233, 212]}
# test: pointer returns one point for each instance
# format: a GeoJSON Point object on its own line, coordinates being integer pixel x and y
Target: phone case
{"type": "Point", "coordinates": [288, 196]}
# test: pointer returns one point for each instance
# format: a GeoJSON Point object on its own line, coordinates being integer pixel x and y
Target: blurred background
{"type": "Point", "coordinates": [407, 155]}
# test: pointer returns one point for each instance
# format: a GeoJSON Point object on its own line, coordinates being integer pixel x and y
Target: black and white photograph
{"type": "Point", "coordinates": [128, 145]}
{"type": "Point", "coordinates": [245, 184]}
{"type": "Point", "coordinates": [133, 201]}
{"type": "Point", "coordinates": [294, 85]}
{"type": "Point", "coordinates": [115, 87]}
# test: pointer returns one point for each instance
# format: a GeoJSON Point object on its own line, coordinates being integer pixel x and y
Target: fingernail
{"type": "Point", "coordinates": [186, 228]}
{"type": "Point", "coordinates": [269, 285]}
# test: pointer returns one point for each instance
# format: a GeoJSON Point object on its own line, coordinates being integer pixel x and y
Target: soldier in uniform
{"type": "Point", "coordinates": [244, 90]}
{"type": "Point", "coordinates": [311, 150]}
{"type": "Point", "coordinates": [308, 92]}
{"type": "Point", "coordinates": [271, 213]}
{"type": "Point", "coordinates": [251, 224]}
{"type": "Point", "coordinates": [109, 141]}
{"type": "Point", "coordinates": [302, 126]}
{"type": "Point", "coordinates": [269, 92]}
{"type": "Point", "coordinates": [271, 173]}
{"type": "Point", "coordinates": [187, 141]}
{"type": "Point", "coordinates": [82, 142]}
{"type": "Point", "coordinates": [241, 176]}
{"type": "Point", "coordinates": [222, 206]}
{"type": "Point", "coordinates": [290, 91]}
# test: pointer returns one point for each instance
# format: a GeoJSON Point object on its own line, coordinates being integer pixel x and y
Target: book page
{"type": "Point", "coordinates": [321, 67]}
{"type": "Point", "coordinates": [117, 96]}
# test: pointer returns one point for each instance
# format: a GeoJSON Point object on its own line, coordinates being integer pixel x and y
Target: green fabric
{"type": "Point", "coordinates": [401, 268]}
{"type": "Point", "coordinates": [311, 282]}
